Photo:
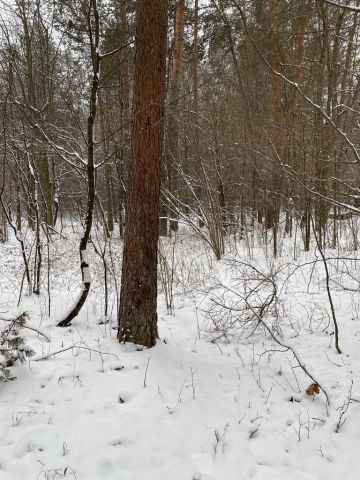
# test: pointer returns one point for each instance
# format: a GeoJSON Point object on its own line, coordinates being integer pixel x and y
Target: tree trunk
{"type": "Point", "coordinates": [173, 110]}
{"type": "Point", "coordinates": [90, 172]}
{"type": "Point", "coordinates": [108, 178]}
{"type": "Point", "coordinates": [273, 208]}
{"type": "Point", "coordinates": [124, 96]}
{"type": "Point", "coordinates": [137, 313]}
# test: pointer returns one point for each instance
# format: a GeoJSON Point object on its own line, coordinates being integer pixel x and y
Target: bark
{"type": "Point", "coordinates": [173, 110]}
{"type": "Point", "coordinates": [195, 106]}
{"type": "Point", "coordinates": [272, 209]}
{"type": "Point", "coordinates": [195, 60]}
{"type": "Point", "coordinates": [38, 95]}
{"type": "Point", "coordinates": [45, 187]}
{"type": "Point", "coordinates": [108, 178]}
{"type": "Point", "coordinates": [124, 93]}
{"type": "Point", "coordinates": [137, 313]}
{"type": "Point", "coordinates": [124, 62]}
{"type": "Point", "coordinates": [84, 265]}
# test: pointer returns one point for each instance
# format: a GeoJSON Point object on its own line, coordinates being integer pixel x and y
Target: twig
{"type": "Point", "coordinates": [46, 356]}
{"type": "Point", "coordinates": [336, 328]}
{"type": "Point", "coordinates": [146, 371]}
{"type": "Point", "coordinates": [296, 355]}
{"type": "Point", "coordinates": [27, 326]}
{"type": "Point", "coordinates": [344, 408]}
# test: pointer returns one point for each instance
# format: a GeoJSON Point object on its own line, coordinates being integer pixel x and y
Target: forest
{"type": "Point", "coordinates": [179, 236]}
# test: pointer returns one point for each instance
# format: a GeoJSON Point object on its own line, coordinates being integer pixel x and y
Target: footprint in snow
{"type": "Point", "coordinates": [123, 397]}
{"type": "Point", "coordinates": [119, 442]}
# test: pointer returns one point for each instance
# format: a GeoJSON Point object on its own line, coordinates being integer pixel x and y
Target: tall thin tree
{"type": "Point", "coordinates": [94, 38]}
{"type": "Point", "coordinates": [137, 312]}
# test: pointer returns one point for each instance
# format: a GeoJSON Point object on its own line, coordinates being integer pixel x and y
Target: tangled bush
{"type": "Point", "coordinates": [13, 348]}
{"type": "Point", "coordinates": [240, 309]}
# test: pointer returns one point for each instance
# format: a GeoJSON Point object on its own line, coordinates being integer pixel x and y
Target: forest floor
{"type": "Point", "coordinates": [216, 399]}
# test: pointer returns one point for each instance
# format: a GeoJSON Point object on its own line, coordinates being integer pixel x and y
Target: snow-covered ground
{"type": "Point", "coordinates": [201, 405]}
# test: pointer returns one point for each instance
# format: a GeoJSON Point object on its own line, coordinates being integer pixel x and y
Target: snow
{"type": "Point", "coordinates": [195, 407]}
{"type": "Point", "coordinates": [86, 268]}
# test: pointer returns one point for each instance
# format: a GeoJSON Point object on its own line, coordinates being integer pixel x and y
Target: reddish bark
{"type": "Point", "coordinates": [137, 313]}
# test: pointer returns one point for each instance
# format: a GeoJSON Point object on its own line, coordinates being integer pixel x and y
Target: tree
{"type": "Point", "coordinates": [173, 111]}
{"type": "Point", "coordinates": [137, 313]}
{"type": "Point", "coordinates": [93, 33]}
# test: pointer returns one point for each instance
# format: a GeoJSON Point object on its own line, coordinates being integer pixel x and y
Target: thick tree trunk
{"type": "Point", "coordinates": [137, 313]}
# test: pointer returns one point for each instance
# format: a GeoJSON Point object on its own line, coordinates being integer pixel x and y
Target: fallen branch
{"type": "Point", "coordinates": [46, 356]}
{"type": "Point", "coordinates": [296, 355]}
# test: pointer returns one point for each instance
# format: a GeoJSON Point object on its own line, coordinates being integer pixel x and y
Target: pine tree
{"type": "Point", "coordinates": [137, 313]}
